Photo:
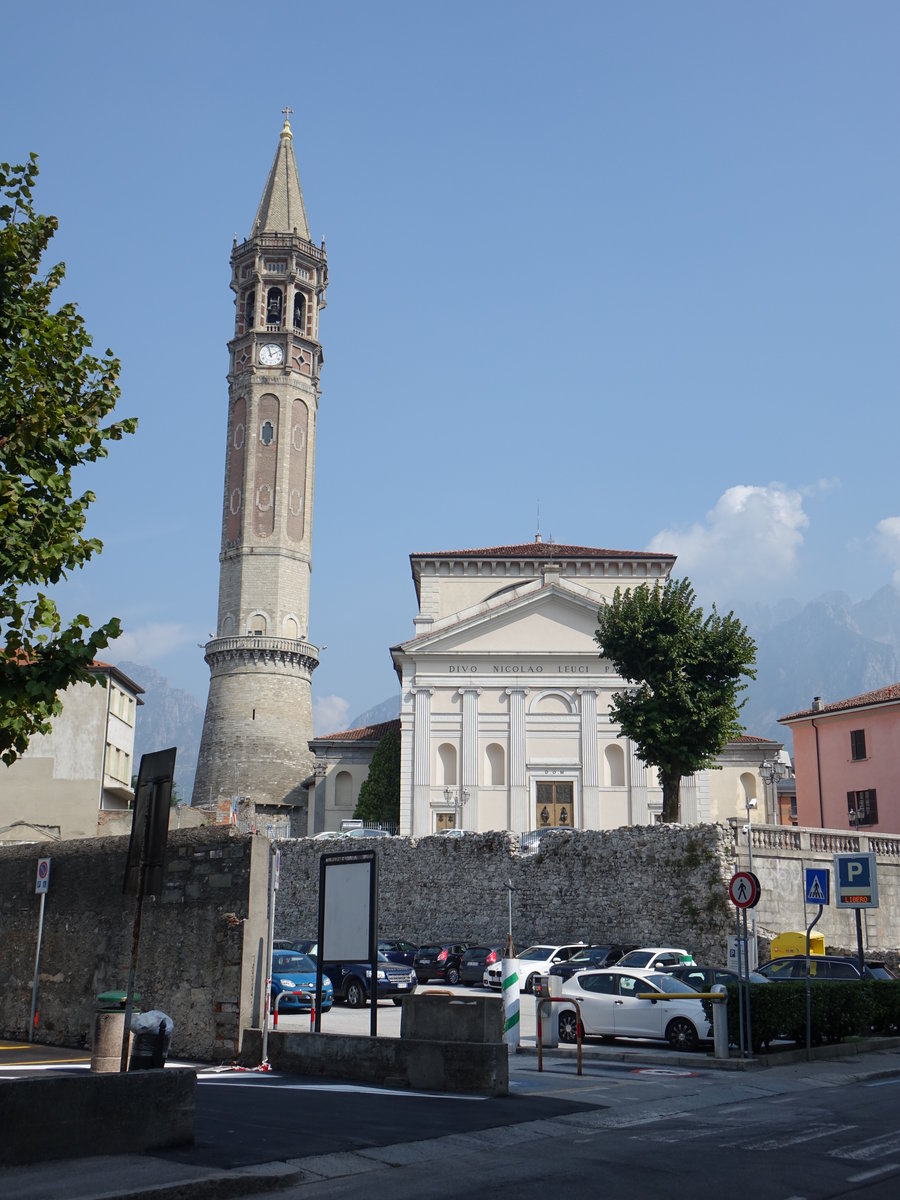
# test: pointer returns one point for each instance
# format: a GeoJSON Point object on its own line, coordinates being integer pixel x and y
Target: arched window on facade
{"type": "Point", "coordinates": [299, 310]}
{"type": "Point", "coordinates": [496, 774]}
{"type": "Point", "coordinates": [257, 624]}
{"type": "Point", "coordinates": [446, 763]}
{"type": "Point", "coordinates": [250, 308]}
{"type": "Point", "coordinates": [290, 629]}
{"type": "Point", "coordinates": [274, 302]}
{"type": "Point", "coordinates": [343, 790]}
{"type": "Point", "coordinates": [748, 790]}
{"type": "Point", "coordinates": [615, 766]}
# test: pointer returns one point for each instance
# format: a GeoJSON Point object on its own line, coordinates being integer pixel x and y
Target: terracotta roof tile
{"type": "Point", "coordinates": [885, 695]}
{"type": "Point", "coordinates": [366, 733]}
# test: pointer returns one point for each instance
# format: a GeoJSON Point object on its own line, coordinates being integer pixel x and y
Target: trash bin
{"type": "Point", "coordinates": [109, 1028]}
{"type": "Point", "coordinates": [151, 1033]}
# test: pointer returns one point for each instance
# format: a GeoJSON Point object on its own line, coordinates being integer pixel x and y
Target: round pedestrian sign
{"type": "Point", "coordinates": [744, 889]}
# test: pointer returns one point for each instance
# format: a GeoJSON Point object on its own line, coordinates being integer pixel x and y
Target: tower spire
{"type": "Point", "coordinates": [281, 209]}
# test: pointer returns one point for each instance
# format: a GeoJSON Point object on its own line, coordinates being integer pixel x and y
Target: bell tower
{"type": "Point", "coordinates": [259, 711]}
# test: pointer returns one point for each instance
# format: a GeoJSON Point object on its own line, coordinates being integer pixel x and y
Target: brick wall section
{"type": "Point", "coordinates": [201, 941]}
{"type": "Point", "coordinates": [662, 885]}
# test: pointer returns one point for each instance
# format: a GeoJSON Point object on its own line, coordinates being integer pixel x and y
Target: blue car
{"type": "Point", "coordinates": [294, 980]}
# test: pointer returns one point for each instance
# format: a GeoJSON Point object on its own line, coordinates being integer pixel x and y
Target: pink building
{"type": "Point", "coordinates": [847, 762]}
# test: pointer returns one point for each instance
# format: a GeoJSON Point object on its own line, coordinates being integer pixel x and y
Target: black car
{"type": "Point", "coordinates": [474, 961]}
{"type": "Point", "coordinates": [352, 981]}
{"type": "Point", "coordinates": [397, 950]}
{"type": "Point", "coordinates": [704, 979]}
{"type": "Point", "coordinates": [822, 966]}
{"type": "Point", "coordinates": [440, 960]}
{"type": "Point", "coordinates": [591, 958]}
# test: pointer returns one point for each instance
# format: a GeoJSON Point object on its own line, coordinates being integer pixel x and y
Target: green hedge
{"type": "Point", "coordinates": [838, 1010]}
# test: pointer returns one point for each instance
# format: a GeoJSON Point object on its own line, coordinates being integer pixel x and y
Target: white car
{"type": "Point", "coordinates": [610, 1007]}
{"type": "Point", "coordinates": [536, 960]}
{"type": "Point", "coordinates": [656, 958]}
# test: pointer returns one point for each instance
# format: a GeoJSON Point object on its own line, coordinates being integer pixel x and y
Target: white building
{"type": "Point", "coordinates": [65, 779]}
{"type": "Point", "coordinates": [505, 703]}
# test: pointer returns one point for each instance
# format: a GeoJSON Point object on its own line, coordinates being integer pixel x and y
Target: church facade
{"type": "Point", "coordinates": [505, 697]}
{"type": "Point", "coordinates": [258, 721]}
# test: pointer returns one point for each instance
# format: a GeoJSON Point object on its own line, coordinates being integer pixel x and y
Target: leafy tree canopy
{"type": "Point", "coordinates": [54, 398]}
{"type": "Point", "coordinates": [689, 671]}
{"type": "Point", "coordinates": [379, 796]}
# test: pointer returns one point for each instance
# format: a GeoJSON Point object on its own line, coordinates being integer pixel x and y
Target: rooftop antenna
{"type": "Point", "coordinates": [537, 536]}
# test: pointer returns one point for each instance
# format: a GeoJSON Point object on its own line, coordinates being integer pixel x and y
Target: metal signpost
{"type": "Point", "coordinates": [856, 886]}
{"type": "Point", "coordinates": [146, 855]}
{"type": "Point", "coordinates": [41, 887]}
{"type": "Point", "coordinates": [744, 890]}
{"type": "Point", "coordinates": [817, 892]}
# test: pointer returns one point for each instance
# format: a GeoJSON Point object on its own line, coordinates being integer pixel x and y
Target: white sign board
{"type": "Point", "coordinates": [347, 903]}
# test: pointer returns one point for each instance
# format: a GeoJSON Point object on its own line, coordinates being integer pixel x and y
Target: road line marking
{"type": "Point", "coordinates": [883, 1082]}
{"type": "Point", "coordinates": [864, 1175]}
{"type": "Point", "coordinates": [807, 1135]}
{"type": "Point", "coordinates": [888, 1143]}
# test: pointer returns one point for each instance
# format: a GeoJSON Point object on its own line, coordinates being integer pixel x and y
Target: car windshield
{"type": "Point", "coordinates": [877, 971]}
{"type": "Point", "coordinates": [429, 951]}
{"type": "Point", "coordinates": [667, 983]}
{"type": "Point", "coordinates": [293, 963]}
{"type": "Point", "coordinates": [534, 953]}
{"type": "Point", "coordinates": [637, 958]}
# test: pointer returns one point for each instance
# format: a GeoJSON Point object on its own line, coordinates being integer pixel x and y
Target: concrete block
{"type": "Point", "coordinates": [452, 1018]}
{"type": "Point", "coordinates": [428, 1066]}
{"type": "Point", "coordinates": [86, 1114]}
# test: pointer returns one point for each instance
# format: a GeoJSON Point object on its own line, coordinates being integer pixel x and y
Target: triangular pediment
{"type": "Point", "coordinates": [558, 619]}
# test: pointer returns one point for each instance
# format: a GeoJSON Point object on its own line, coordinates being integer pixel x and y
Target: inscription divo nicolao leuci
{"type": "Point", "coordinates": [518, 669]}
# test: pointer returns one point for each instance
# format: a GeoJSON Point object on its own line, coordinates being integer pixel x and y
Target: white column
{"type": "Point", "coordinates": [518, 817]}
{"type": "Point", "coordinates": [640, 812]}
{"type": "Point", "coordinates": [468, 775]}
{"type": "Point", "coordinates": [420, 822]}
{"type": "Point", "coordinates": [590, 762]}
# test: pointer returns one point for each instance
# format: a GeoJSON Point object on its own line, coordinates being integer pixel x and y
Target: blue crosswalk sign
{"type": "Point", "coordinates": [817, 881]}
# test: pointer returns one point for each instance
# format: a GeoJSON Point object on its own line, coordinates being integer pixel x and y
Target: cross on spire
{"type": "Point", "coordinates": [287, 110]}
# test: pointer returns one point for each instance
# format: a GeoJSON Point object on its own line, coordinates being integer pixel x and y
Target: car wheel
{"type": "Point", "coordinates": [568, 1027]}
{"type": "Point", "coordinates": [452, 975]}
{"type": "Point", "coordinates": [681, 1034]}
{"type": "Point", "coordinates": [529, 983]}
{"type": "Point", "coordinates": [355, 993]}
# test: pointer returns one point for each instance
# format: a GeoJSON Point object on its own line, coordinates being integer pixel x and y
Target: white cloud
{"type": "Point", "coordinates": [149, 643]}
{"type": "Point", "coordinates": [330, 714]}
{"type": "Point", "coordinates": [887, 537]}
{"type": "Point", "coordinates": [750, 539]}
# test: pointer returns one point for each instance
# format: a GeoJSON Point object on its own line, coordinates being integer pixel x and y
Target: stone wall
{"type": "Point", "coordinates": [648, 885]}
{"type": "Point", "coordinates": [201, 948]}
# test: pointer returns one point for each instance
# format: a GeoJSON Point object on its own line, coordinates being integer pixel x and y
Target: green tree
{"type": "Point", "coordinates": [689, 670]}
{"type": "Point", "coordinates": [379, 796]}
{"type": "Point", "coordinates": [54, 397]}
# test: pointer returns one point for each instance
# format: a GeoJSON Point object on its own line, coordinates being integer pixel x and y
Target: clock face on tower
{"type": "Point", "coordinates": [270, 355]}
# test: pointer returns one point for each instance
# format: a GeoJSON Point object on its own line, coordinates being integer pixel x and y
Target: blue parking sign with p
{"type": "Point", "coordinates": [817, 882]}
{"type": "Point", "coordinates": [856, 881]}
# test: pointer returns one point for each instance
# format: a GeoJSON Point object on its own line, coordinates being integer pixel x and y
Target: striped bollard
{"type": "Point", "coordinates": [510, 979]}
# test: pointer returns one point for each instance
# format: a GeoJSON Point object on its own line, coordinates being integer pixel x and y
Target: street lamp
{"type": "Point", "coordinates": [458, 797]}
{"type": "Point", "coordinates": [770, 772]}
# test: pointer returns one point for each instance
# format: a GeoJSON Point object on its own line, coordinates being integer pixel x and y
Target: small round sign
{"type": "Point", "coordinates": [744, 889]}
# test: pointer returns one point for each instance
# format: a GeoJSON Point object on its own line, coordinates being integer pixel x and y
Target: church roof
{"type": "Point", "coordinates": [281, 209]}
{"type": "Point", "coordinates": [542, 550]}
{"type": "Point", "coordinates": [365, 733]}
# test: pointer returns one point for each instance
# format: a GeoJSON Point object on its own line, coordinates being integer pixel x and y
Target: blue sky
{"type": "Point", "coordinates": [636, 263]}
